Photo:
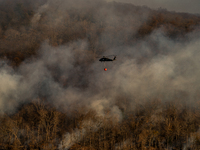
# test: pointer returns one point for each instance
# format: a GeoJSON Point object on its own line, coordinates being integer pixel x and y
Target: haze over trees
{"type": "Point", "coordinates": [23, 29]}
{"type": "Point", "coordinates": [55, 95]}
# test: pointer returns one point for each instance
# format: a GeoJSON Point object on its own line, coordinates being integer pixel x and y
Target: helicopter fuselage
{"type": "Point", "coordinates": [105, 59]}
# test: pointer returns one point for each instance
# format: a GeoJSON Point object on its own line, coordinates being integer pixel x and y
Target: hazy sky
{"type": "Point", "coordinates": [191, 6]}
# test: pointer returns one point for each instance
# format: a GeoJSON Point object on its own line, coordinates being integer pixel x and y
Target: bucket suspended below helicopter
{"type": "Point", "coordinates": [105, 59]}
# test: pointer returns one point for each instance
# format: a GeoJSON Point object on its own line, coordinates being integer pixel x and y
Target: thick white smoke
{"type": "Point", "coordinates": [160, 76]}
{"type": "Point", "coordinates": [8, 89]}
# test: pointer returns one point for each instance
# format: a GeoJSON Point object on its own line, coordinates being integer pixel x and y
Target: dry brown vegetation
{"type": "Point", "coordinates": [152, 125]}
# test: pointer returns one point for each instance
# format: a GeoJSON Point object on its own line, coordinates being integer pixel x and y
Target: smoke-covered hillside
{"type": "Point", "coordinates": [54, 93]}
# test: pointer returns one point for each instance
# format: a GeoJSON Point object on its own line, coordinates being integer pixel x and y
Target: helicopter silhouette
{"type": "Point", "coordinates": [105, 59]}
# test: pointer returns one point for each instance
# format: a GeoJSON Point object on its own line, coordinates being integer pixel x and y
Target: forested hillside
{"type": "Point", "coordinates": [54, 93]}
{"type": "Point", "coordinates": [26, 24]}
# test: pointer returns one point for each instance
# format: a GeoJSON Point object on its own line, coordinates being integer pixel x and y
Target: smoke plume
{"type": "Point", "coordinates": [178, 6]}
{"type": "Point", "coordinates": [66, 73]}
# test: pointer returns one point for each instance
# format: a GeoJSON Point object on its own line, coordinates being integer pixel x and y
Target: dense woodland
{"type": "Point", "coordinates": [39, 125]}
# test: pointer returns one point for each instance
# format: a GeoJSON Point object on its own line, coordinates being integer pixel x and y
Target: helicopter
{"type": "Point", "coordinates": [106, 58]}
